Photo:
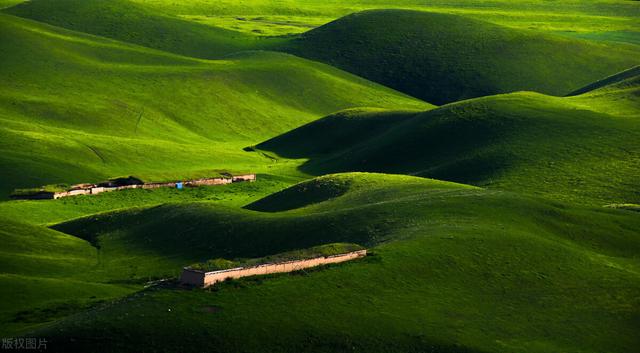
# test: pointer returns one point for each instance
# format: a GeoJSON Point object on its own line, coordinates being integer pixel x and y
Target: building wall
{"type": "Point", "coordinates": [158, 185]}
{"type": "Point", "coordinates": [210, 278]}
{"type": "Point", "coordinates": [192, 277]}
{"type": "Point", "coordinates": [58, 195]}
{"type": "Point", "coordinates": [208, 181]}
{"type": "Point", "coordinates": [245, 177]}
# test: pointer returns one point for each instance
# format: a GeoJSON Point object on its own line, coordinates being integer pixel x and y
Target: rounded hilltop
{"type": "Point", "coordinates": [442, 58]}
{"type": "Point", "coordinates": [562, 147]}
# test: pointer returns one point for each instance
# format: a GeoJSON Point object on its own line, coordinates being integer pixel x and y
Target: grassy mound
{"type": "Point", "coordinates": [455, 268]}
{"type": "Point", "coordinates": [331, 133]}
{"type": "Point", "coordinates": [582, 149]}
{"type": "Point", "coordinates": [82, 108]}
{"type": "Point", "coordinates": [303, 194]}
{"type": "Point", "coordinates": [443, 58]}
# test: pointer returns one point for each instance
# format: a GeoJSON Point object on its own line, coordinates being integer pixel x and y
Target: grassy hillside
{"type": "Point", "coordinates": [129, 22]}
{"type": "Point", "coordinates": [597, 20]}
{"type": "Point", "coordinates": [83, 108]}
{"type": "Point", "coordinates": [35, 259]}
{"type": "Point", "coordinates": [582, 149]}
{"type": "Point", "coordinates": [444, 58]}
{"type": "Point", "coordinates": [435, 57]}
{"type": "Point", "coordinates": [455, 269]}
{"type": "Point", "coordinates": [509, 251]}
{"type": "Point", "coordinates": [209, 28]}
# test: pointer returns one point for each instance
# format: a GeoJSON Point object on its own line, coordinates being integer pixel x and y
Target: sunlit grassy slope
{"type": "Point", "coordinates": [436, 57]}
{"type": "Point", "coordinates": [129, 22]}
{"type": "Point", "coordinates": [454, 269]}
{"type": "Point", "coordinates": [613, 20]}
{"type": "Point", "coordinates": [609, 20]}
{"type": "Point", "coordinates": [82, 108]}
{"type": "Point", "coordinates": [209, 28]}
{"type": "Point", "coordinates": [444, 58]}
{"type": "Point", "coordinates": [583, 149]}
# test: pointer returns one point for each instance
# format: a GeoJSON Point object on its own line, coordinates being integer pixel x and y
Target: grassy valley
{"type": "Point", "coordinates": [450, 261]}
{"type": "Point", "coordinates": [485, 153]}
{"type": "Point", "coordinates": [83, 108]}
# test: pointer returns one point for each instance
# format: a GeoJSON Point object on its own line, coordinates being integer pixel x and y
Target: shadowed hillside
{"type": "Point", "coordinates": [583, 149]}
{"type": "Point", "coordinates": [504, 264]}
{"type": "Point", "coordinates": [443, 58]}
{"type": "Point", "coordinates": [632, 73]}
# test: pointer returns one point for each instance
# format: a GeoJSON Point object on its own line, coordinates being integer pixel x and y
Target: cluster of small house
{"type": "Point", "coordinates": [199, 278]}
{"type": "Point", "coordinates": [132, 183]}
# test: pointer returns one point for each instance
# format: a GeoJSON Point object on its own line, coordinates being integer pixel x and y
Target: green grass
{"type": "Point", "coordinates": [581, 149]}
{"type": "Point", "coordinates": [454, 268]}
{"type": "Point", "coordinates": [444, 58]}
{"type": "Point", "coordinates": [262, 26]}
{"type": "Point", "coordinates": [620, 36]}
{"type": "Point", "coordinates": [128, 22]}
{"type": "Point", "coordinates": [82, 108]}
{"type": "Point", "coordinates": [168, 90]}
{"type": "Point", "coordinates": [39, 279]}
{"type": "Point", "coordinates": [626, 206]}
{"type": "Point", "coordinates": [9, 3]}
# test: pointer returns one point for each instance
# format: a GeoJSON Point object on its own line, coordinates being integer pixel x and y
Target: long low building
{"type": "Point", "coordinates": [205, 279]}
{"type": "Point", "coordinates": [131, 183]}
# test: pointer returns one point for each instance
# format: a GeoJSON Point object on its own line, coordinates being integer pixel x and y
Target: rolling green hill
{"type": "Point", "coordinates": [614, 20]}
{"type": "Point", "coordinates": [83, 108]}
{"type": "Point", "coordinates": [582, 149]}
{"type": "Point", "coordinates": [436, 57]}
{"type": "Point", "coordinates": [454, 269]}
{"type": "Point", "coordinates": [133, 23]}
{"type": "Point", "coordinates": [507, 249]}
{"type": "Point", "coordinates": [443, 58]}
{"type": "Point", "coordinates": [609, 20]}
